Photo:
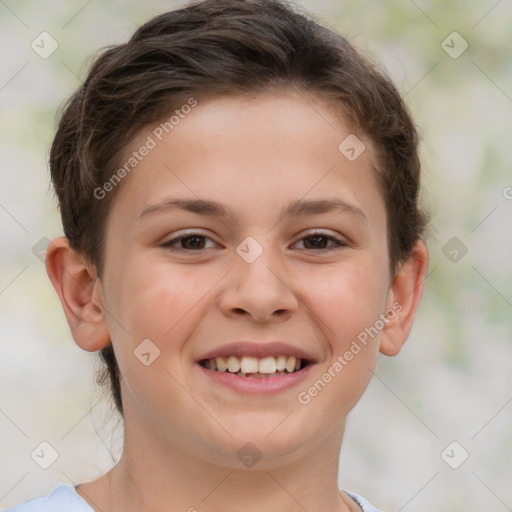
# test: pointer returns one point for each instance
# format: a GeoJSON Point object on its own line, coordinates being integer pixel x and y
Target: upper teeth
{"type": "Point", "coordinates": [248, 364]}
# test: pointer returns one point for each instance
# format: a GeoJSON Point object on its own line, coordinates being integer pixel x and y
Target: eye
{"type": "Point", "coordinates": [195, 242]}
{"type": "Point", "coordinates": [192, 241]}
{"type": "Point", "coordinates": [318, 241]}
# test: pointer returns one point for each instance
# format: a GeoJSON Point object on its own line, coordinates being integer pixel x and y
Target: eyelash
{"type": "Point", "coordinates": [171, 243]}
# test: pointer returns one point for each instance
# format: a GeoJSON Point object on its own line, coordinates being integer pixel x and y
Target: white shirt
{"type": "Point", "coordinates": [64, 498]}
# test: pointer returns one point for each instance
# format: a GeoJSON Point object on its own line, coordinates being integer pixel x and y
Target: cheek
{"type": "Point", "coordinates": [155, 300]}
{"type": "Point", "coordinates": [350, 302]}
{"type": "Point", "coordinates": [158, 302]}
{"type": "Point", "coordinates": [347, 299]}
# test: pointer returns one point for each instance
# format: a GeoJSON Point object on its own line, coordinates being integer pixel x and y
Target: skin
{"type": "Point", "coordinates": [182, 433]}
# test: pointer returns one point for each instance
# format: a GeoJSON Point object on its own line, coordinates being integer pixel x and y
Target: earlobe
{"type": "Point", "coordinates": [80, 293]}
{"type": "Point", "coordinates": [403, 299]}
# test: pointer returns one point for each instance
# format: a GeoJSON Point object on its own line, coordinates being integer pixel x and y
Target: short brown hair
{"type": "Point", "coordinates": [212, 48]}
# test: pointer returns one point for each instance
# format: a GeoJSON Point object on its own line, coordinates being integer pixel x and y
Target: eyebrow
{"type": "Point", "coordinates": [216, 209]}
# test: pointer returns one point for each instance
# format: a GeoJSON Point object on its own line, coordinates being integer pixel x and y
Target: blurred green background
{"type": "Point", "coordinates": [451, 382]}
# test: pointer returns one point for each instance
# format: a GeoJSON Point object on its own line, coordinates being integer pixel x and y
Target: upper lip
{"type": "Point", "coordinates": [259, 350]}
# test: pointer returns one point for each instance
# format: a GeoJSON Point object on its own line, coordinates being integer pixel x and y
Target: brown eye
{"type": "Point", "coordinates": [188, 242]}
{"type": "Point", "coordinates": [319, 242]}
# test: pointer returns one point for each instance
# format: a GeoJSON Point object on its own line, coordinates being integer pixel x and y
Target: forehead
{"type": "Point", "coordinates": [252, 152]}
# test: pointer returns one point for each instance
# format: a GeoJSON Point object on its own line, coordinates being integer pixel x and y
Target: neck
{"type": "Point", "coordinates": [150, 477]}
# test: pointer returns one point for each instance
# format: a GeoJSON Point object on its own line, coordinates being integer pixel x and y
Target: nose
{"type": "Point", "coordinates": [259, 290]}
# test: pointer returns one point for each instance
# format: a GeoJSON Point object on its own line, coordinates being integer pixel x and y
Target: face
{"type": "Point", "coordinates": [246, 225]}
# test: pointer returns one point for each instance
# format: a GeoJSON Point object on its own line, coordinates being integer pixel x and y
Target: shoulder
{"type": "Point", "coordinates": [63, 498]}
{"type": "Point", "coordinates": [365, 505]}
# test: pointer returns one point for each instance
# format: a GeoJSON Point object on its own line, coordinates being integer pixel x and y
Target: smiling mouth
{"type": "Point", "coordinates": [253, 367]}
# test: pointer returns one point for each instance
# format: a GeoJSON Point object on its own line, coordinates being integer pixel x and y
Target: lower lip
{"type": "Point", "coordinates": [255, 386]}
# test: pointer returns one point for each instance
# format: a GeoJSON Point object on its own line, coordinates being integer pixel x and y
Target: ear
{"type": "Point", "coordinates": [81, 295]}
{"type": "Point", "coordinates": [403, 299]}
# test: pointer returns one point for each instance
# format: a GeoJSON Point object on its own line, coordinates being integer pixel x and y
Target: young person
{"type": "Point", "coordinates": [239, 197]}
